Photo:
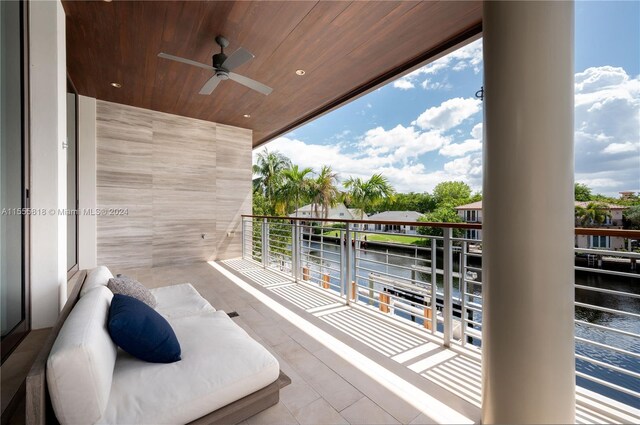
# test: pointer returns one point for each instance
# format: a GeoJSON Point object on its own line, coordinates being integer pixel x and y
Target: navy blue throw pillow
{"type": "Point", "coordinates": [141, 331]}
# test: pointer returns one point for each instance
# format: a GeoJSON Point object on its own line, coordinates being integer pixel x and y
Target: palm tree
{"type": "Point", "coordinates": [268, 169]}
{"type": "Point", "coordinates": [595, 213]}
{"type": "Point", "coordinates": [365, 194]}
{"type": "Point", "coordinates": [295, 186]}
{"type": "Point", "coordinates": [324, 191]}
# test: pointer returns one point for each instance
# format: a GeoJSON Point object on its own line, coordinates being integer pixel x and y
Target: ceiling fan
{"type": "Point", "coordinates": [222, 65]}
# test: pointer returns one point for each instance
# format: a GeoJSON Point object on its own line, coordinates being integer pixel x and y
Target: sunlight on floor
{"type": "Point", "coordinates": [460, 375]}
{"type": "Point", "coordinates": [428, 405]}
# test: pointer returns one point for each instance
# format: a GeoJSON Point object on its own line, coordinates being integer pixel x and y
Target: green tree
{"type": "Point", "coordinates": [324, 191]}
{"type": "Point", "coordinates": [582, 192]}
{"type": "Point", "coordinates": [632, 218]}
{"type": "Point", "coordinates": [442, 214]}
{"type": "Point", "coordinates": [366, 194]}
{"type": "Point", "coordinates": [268, 171]}
{"type": "Point", "coordinates": [594, 214]}
{"type": "Point", "coordinates": [260, 206]}
{"type": "Point", "coordinates": [453, 193]}
{"type": "Point", "coordinates": [421, 202]}
{"type": "Point", "coordinates": [294, 188]}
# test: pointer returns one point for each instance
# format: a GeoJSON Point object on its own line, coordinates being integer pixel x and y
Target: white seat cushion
{"type": "Point", "coordinates": [81, 362]}
{"type": "Point", "coordinates": [220, 364]}
{"type": "Point", "coordinates": [96, 277]}
{"type": "Point", "coordinates": [182, 300]}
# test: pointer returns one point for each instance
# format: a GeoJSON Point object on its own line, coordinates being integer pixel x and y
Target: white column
{"type": "Point", "coordinates": [48, 160]}
{"type": "Point", "coordinates": [528, 346]}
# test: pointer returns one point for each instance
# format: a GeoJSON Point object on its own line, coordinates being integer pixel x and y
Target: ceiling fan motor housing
{"type": "Point", "coordinates": [218, 59]}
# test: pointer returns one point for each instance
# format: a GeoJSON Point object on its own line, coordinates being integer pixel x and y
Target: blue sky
{"type": "Point", "coordinates": [426, 127]}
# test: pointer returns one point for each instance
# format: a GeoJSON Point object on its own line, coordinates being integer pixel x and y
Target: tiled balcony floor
{"type": "Point", "coordinates": [346, 364]}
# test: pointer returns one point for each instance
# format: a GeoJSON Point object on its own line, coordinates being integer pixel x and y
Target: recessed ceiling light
{"type": "Point", "coordinates": [247, 115]}
{"type": "Point", "coordinates": [116, 85]}
{"type": "Point", "coordinates": [108, 1]}
{"type": "Point", "coordinates": [300, 72]}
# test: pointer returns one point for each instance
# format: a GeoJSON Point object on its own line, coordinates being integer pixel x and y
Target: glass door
{"type": "Point", "coordinates": [13, 181]}
{"type": "Point", "coordinates": [72, 178]}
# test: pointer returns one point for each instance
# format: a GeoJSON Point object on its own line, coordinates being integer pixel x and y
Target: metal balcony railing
{"type": "Point", "coordinates": [434, 283]}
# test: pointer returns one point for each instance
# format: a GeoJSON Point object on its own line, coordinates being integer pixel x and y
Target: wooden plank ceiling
{"type": "Point", "coordinates": [344, 47]}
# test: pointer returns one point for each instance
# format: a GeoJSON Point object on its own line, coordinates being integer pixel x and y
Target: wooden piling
{"type": "Point", "coordinates": [384, 302]}
{"type": "Point", "coordinates": [427, 317]}
{"type": "Point", "coordinates": [305, 273]}
{"type": "Point", "coordinates": [325, 281]}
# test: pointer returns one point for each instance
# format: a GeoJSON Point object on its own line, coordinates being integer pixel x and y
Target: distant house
{"type": "Point", "coordinates": [613, 221]}
{"type": "Point", "coordinates": [339, 212]}
{"type": "Point", "coordinates": [627, 194]}
{"type": "Point", "coordinates": [472, 213]}
{"type": "Point", "coordinates": [411, 216]}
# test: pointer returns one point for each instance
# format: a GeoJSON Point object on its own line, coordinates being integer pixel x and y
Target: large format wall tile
{"type": "Point", "coordinates": [234, 188]}
{"type": "Point", "coordinates": [185, 183]}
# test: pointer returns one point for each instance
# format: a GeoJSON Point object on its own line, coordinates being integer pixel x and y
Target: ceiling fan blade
{"type": "Point", "coordinates": [183, 60]}
{"type": "Point", "coordinates": [237, 58]}
{"type": "Point", "coordinates": [252, 84]}
{"type": "Point", "coordinates": [210, 85]}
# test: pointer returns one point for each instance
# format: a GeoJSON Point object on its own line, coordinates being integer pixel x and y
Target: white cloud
{"type": "Point", "coordinates": [615, 148]}
{"type": "Point", "coordinates": [428, 84]}
{"type": "Point", "coordinates": [476, 131]}
{"type": "Point", "coordinates": [467, 167]}
{"type": "Point", "coordinates": [469, 56]}
{"type": "Point", "coordinates": [607, 135]}
{"type": "Point", "coordinates": [598, 183]}
{"type": "Point", "coordinates": [460, 149]}
{"type": "Point", "coordinates": [607, 124]}
{"type": "Point", "coordinates": [404, 176]}
{"type": "Point", "coordinates": [401, 143]}
{"type": "Point", "coordinates": [403, 83]}
{"type": "Point", "coordinates": [448, 114]}
{"type": "Point", "coordinates": [597, 78]}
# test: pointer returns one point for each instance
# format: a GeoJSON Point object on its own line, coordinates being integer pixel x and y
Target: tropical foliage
{"type": "Point", "coordinates": [420, 202]}
{"type": "Point", "coordinates": [582, 192]}
{"type": "Point", "coordinates": [443, 214]}
{"type": "Point", "coordinates": [363, 195]}
{"type": "Point", "coordinates": [268, 170]}
{"type": "Point", "coordinates": [593, 214]}
{"type": "Point", "coordinates": [294, 187]}
{"type": "Point", "coordinates": [281, 188]}
{"type": "Point", "coordinates": [632, 218]}
{"type": "Point", "coordinates": [323, 191]}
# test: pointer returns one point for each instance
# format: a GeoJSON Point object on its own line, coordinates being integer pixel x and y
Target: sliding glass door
{"type": "Point", "coordinates": [13, 181]}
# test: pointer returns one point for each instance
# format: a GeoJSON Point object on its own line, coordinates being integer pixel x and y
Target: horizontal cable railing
{"type": "Point", "coordinates": [434, 283]}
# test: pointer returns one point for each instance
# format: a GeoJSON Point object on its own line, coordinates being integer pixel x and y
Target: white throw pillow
{"type": "Point", "coordinates": [81, 362]}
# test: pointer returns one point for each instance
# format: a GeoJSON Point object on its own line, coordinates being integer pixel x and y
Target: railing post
{"type": "Point", "coordinates": [265, 243]}
{"type": "Point", "coordinates": [463, 290]}
{"type": "Point", "coordinates": [343, 275]}
{"type": "Point", "coordinates": [244, 235]}
{"type": "Point", "coordinates": [434, 286]}
{"type": "Point", "coordinates": [447, 311]}
{"type": "Point", "coordinates": [348, 262]}
{"type": "Point", "coordinates": [295, 247]}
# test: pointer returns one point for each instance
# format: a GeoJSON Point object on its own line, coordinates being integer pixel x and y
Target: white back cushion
{"type": "Point", "coordinates": [81, 362]}
{"type": "Point", "coordinates": [96, 277]}
{"type": "Point", "coordinates": [175, 301]}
